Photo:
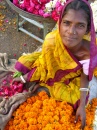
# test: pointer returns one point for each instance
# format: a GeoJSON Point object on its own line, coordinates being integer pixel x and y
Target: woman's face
{"type": "Point", "coordinates": [73, 27]}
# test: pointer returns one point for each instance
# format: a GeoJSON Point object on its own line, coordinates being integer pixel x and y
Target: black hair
{"type": "Point", "coordinates": [80, 5]}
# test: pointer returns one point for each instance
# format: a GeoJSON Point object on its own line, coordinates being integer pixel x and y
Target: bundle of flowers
{"type": "Point", "coordinates": [7, 89]}
{"type": "Point", "coordinates": [44, 8]}
{"type": "Point", "coordinates": [41, 112]}
{"type": "Point", "coordinates": [94, 9]}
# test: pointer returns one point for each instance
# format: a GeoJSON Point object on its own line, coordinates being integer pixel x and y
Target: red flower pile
{"type": "Point", "coordinates": [8, 89]}
{"type": "Point", "coordinates": [32, 6]}
{"type": "Point", "coordinates": [44, 8]}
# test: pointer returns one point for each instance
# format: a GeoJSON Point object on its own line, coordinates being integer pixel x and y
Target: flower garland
{"type": "Point", "coordinates": [41, 112]}
{"type": "Point", "coordinates": [94, 9]}
{"type": "Point", "coordinates": [44, 8]}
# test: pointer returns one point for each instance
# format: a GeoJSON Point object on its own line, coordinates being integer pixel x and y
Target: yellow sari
{"type": "Point", "coordinates": [54, 68]}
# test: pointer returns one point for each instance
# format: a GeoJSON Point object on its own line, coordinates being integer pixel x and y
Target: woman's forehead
{"type": "Point", "coordinates": [75, 15]}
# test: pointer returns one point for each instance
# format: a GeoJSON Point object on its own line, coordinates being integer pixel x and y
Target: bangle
{"type": "Point", "coordinates": [22, 79]}
{"type": "Point", "coordinates": [84, 89]}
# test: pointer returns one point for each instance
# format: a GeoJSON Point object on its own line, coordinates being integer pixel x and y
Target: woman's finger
{"type": "Point", "coordinates": [83, 123]}
{"type": "Point", "coordinates": [76, 118]}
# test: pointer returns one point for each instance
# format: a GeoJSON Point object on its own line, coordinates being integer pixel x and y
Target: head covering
{"type": "Point", "coordinates": [93, 46]}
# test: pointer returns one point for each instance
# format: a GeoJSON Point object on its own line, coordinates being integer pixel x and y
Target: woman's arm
{"type": "Point", "coordinates": [83, 92]}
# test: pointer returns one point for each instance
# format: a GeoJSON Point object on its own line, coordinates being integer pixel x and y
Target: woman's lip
{"type": "Point", "coordinates": [70, 39]}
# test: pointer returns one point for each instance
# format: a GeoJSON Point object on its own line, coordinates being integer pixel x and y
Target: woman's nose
{"type": "Point", "coordinates": [72, 29]}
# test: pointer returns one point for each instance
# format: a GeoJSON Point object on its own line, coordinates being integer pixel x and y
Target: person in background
{"type": "Point", "coordinates": [68, 59]}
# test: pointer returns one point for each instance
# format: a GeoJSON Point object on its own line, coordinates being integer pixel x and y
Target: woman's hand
{"type": "Point", "coordinates": [82, 114]}
{"type": "Point", "coordinates": [17, 79]}
{"type": "Point", "coordinates": [22, 79]}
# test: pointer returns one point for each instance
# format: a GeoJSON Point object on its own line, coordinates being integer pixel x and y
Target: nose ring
{"type": "Point", "coordinates": [74, 33]}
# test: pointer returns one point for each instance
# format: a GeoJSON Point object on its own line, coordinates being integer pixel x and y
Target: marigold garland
{"type": "Point", "coordinates": [43, 113]}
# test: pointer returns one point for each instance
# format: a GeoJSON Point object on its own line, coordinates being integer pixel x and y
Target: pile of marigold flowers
{"type": "Point", "coordinates": [41, 112]}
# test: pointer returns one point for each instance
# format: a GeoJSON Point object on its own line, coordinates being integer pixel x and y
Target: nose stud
{"type": "Point", "coordinates": [74, 33]}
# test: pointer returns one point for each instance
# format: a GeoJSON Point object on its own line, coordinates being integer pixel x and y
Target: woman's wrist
{"type": "Point", "coordinates": [22, 78]}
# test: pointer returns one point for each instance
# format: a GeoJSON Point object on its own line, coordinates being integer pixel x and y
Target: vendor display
{"type": "Point", "coordinates": [44, 8]}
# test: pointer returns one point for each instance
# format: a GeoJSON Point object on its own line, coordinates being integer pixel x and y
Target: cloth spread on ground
{"type": "Point", "coordinates": [8, 105]}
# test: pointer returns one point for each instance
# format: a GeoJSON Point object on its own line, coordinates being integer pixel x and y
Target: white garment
{"type": "Point", "coordinates": [85, 64]}
{"type": "Point", "coordinates": [93, 88]}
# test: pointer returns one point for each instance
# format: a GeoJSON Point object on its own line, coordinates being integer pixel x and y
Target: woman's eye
{"type": "Point", "coordinates": [81, 26]}
{"type": "Point", "coordinates": [66, 23]}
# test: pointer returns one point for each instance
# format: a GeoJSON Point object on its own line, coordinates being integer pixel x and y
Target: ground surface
{"type": "Point", "coordinates": [14, 42]}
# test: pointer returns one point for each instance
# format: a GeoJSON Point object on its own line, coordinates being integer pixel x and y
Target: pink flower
{"type": "Point", "coordinates": [35, 12]}
{"type": "Point", "coordinates": [46, 15]}
{"type": "Point", "coordinates": [57, 4]}
{"type": "Point", "coordinates": [30, 9]}
{"type": "Point", "coordinates": [43, 7]}
{"type": "Point", "coordinates": [22, 6]}
{"type": "Point", "coordinates": [15, 2]}
{"type": "Point", "coordinates": [41, 12]}
{"type": "Point", "coordinates": [15, 83]}
{"type": "Point", "coordinates": [38, 7]}
{"type": "Point", "coordinates": [55, 16]}
{"type": "Point", "coordinates": [32, 4]}
{"type": "Point", "coordinates": [4, 82]}
{"type": "Point", "coordinates": [26, 3]}
{"type": "Point", "coordinates": [6, 91]}
{"type": "Point", "coordinates": [59, 8]}
{"type": "Point", "coordinates": [35, 2]}
{"type": "Point", "coordinates": [44, 1]}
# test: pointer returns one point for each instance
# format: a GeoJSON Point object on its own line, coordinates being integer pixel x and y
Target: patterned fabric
{"type": "Point", "coordinates": [55, 68]}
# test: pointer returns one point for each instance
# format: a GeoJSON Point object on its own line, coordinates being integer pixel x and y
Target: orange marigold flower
{"type": "Point", "coordinates": [41, 112]}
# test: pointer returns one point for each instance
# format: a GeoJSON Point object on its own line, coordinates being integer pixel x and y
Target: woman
{"type": "Point", "coordinates": [67, 61]}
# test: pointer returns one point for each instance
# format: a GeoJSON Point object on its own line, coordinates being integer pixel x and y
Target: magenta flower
{"type": "Point", "coordinates": [32, 4]}
{"type": "Point", "coordinates": [30, 9]}
{"type": "Point", "coordinates": [26, 3]}
{"type": "Point", "coordinates": [10, 90]}
{"type": "Point", "coordinates": [55, 15]}
{"type": "Point", "coordinates": [38, 7]}
{"type": "Point", "coordinates": [44, 1]}
{"type": "Point", "coordinates": [4, 82]}
{"type": "Point", "coordinates": [41, 12]}
{"type": "Point", "coordinates": [22, 6]}
{"type": "Point", "coordinates": [59, 8]}
{"type": "Point", "coordinates": [35, 12]}
{"type": "Point", "coordinates": [45, 15]}
{"type": "Point", "coordinates": [15, 2]}
{"type": "Point", "coordinates": [57, 4]}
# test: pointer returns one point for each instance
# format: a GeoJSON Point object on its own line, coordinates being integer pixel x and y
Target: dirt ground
{"type": "Point", "coordinates": [12, 41]}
